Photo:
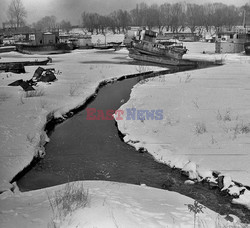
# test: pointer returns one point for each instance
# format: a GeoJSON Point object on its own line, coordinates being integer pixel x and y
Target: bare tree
{"type": "Point", "coordinates": [47, 23]}
{"type": "Point", "coordinates": [17, 13]}
{"type": "Point", "coordinates": [153, 17]}
{"type": "Point", "coordinates": [165, 14]}
{"type": "Point", "coordinates": [91, 21]}
{"type": "Point", "coordinates": [208, 10]}
{"type": "Point", "coordinates": [174, 17]}
{"type": "Point", "coordinates": [245, 14]}
{"type": "Point", "coordinates": [177, 20]}
{"type": "Point", "coordinates": [139, 15]}
{"type": "Point", "coordinates": [134, 14]}
{"type": "Point", "coordinates": [65, 25]}
{"type": "Point", "coordinates": [194, 16]}
{"type": "Point", "coordinates": [123, 19]}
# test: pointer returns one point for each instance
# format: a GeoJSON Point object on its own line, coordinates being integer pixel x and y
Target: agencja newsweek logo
{"type": "Point", "coordinates": [128, 114]}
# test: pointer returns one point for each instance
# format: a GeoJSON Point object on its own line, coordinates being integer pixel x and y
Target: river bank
{"type": "Point", "coordinates": [205, 126]}
{"type": "Point", "coordinates": [23, 120]}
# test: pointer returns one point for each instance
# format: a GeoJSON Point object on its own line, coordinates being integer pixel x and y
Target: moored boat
{"type": "Point", "coordinates": [247, 48]}
{"type": "Point", "coordinates": [168, 52]}
{"type": "Point", "coordinates": [30, 63]}
{"type": "Point", "coordinates": [160, 59]}
{"type": "Point", "coordinates": [7, 48]}
{"type": "Point", "coordinates": [18, 67]}
{"type": "Point", "coordinates": [45, 49]}
{"type": "Point", "coordinates": [167, 49]}
{"type": "Point", "coordinates": [44, 44]}
{"type": "Point", "coordinates": [103, 47]}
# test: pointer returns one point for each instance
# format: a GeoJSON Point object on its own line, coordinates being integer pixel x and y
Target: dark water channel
{"type": "Point", "coordinates": [82, 149]}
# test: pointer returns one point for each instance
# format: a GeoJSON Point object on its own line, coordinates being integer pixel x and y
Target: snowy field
{"type": "Point", "coordinates": [111, 204]}
{"type": "Point", "coordinates": [206, 120]}
{"type": "Point", "coordinates": [23, 118]}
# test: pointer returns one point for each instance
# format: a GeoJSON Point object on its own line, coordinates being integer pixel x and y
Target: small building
{"type": "Point", "coordinates": [230, 41]}
{"type": "Point", "coordinates": [85, 41]}
{"type": "Point", "coordinates": [64, 38]}
{"type": "Point", "coordinates": [132, 33]}
{"type": "Point", "coordinates": [46, 38]}
{"type": "Point", "coordinates": [182, 36]}
{"type": "Point", "coordinates": [20, 33]}
{"type": "Point", "coordinates": [77, 40]}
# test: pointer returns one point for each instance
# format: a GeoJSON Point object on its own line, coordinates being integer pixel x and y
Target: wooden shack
{"type": "Point", "coordinates": [230, 42]}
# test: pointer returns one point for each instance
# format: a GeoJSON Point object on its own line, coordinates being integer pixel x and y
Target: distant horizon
{"type": "Point", "coordinates": [72, 10]}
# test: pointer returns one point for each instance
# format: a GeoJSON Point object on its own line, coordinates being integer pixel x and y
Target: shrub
{"type": "Point", "coordinates": [65, 201]}
{"type": "Point", "coordinates": [73, 89]}
{"type": "Point", "coordinates": [195, 208]}
{"type": "Point", "coordinates": [188, 78]}
{"type": "Point", "coordinates": [35, 93]}
{"type": "Point", "coordinates": [200, 128]}
{"type": "Point", "coordinates": [225, 117]}
{"type": "Point", "coordinates": [3, 96]}
{"type": "Point", "coordinates": [245, 128]}
{"type": "Point", "coordinates": [240, 128]}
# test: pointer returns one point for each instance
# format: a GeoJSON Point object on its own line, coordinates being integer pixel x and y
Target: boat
{"type": "Point", "coordinates": [160, 60]}
{"type": "Point", "coordinates": [110, 45]}
{"type": "Point", "coordinates": [103, 47]}
{"type": "Point", "coordinates": [234, 41]}
{"type": "Point", "coordinates": [181, 36]}
{"type": "Point", "coordinates": [44, 44]}
{"type": "Point", "coordinates": [149, 49]}
{"type": "Point", "coordinates": [7, 48]}
{"type": "Point", "coordinates": [230, 41]}
{"type": "Point", "coordinates": [169, 49]}
{"type": "Point", "coordinates": [247, 43]}
{"type": "Point", "coordinates": [247, 29]}
{"type": "Point", "coordinates": [85, 42]}
{"type": "Point", "coordinates": [45, 49]}
{"type": "Point", "coordinates": [30, 63]}
{"type": "Point", "coordinates": [18, 67]}
{"type": "Point", "coordinates": [247, 48]}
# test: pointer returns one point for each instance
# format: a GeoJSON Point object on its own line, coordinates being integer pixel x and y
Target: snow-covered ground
{"type": "Point", "coordinates": [111, 204]}
{"type": "Point", "coordinates": [206, 119]}
{"type": "Point", "coordinates": [23, 118]}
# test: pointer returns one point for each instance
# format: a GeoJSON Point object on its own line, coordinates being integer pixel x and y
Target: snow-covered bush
{"type": "Point", "coordinates": [67, 200]}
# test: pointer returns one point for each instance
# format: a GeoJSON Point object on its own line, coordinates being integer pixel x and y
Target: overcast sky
{"type": "Point", "coordinates": [71, 9]}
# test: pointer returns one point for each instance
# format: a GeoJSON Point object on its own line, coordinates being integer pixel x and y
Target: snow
{"type": "Point", "coordinates": [244, 199]}
{"type": "Point", "coordinates": [23, 119]}
{"type": "Point", "coordinates": [205, 114]}
{"type": "Point", "coordinates": [111, 204]}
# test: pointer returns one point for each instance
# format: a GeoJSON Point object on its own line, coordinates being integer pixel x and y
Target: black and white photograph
{"type": "Point", "coordinates": [124, 114]}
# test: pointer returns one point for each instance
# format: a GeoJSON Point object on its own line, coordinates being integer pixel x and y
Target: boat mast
{"type": "Point", "coordinates": [244, 19]}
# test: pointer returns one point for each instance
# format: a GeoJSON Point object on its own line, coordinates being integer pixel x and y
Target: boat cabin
{"type": "Point", "coordinates": [131, 34]}
{"type": "Point", "coordinates": [230, 41]}
{"type": "Point", "coordinates": [85, 41]}
{"type": "Point", "coordinates": [46, 38]}
{"type": "Point", "coordinates": [148, 35]}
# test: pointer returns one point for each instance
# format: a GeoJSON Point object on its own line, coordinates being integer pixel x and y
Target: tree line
{"type": "Point", "coordinates": [17, 13]}
{"type": "Point", "coordinates": [173, 17]}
